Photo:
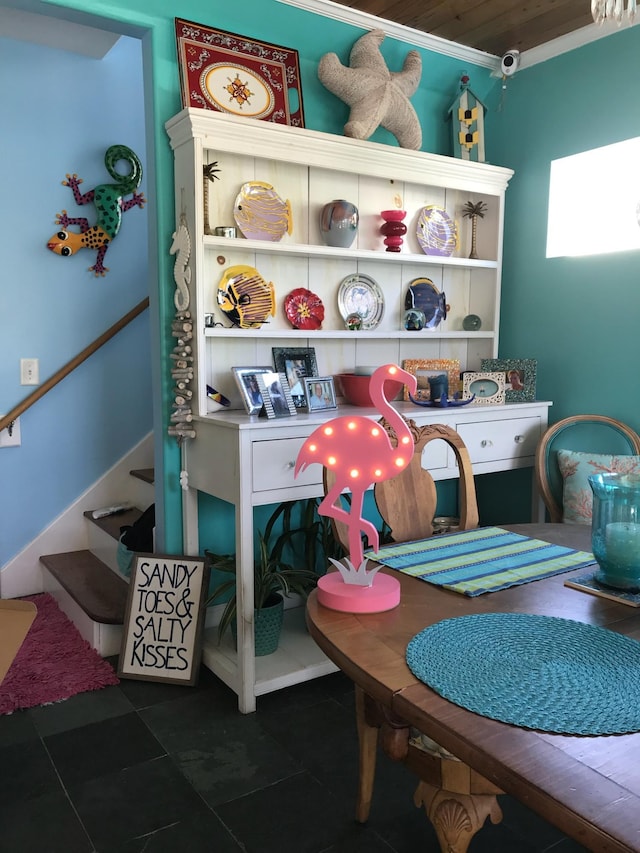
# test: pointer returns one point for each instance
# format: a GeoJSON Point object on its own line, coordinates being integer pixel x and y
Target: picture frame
{"type": "Point", "coordinates": [487, 386]}
{"type": "Point", "coordinates": [296, 363]}
{"type": "Point", "coordinates": [164, 619]}
{"type": "Point", "coordinates": [520, 377]}
{"type": "Point", "coordinates": [423, 368]}
{"type": "Point", "coordinates": [247, 381]}
{"type": "Point", "coordinates": [326, 397]}
{"type": "Point", "coordinates": [276, 395]}
{"type": "Point", "coordinates": [240, 76]}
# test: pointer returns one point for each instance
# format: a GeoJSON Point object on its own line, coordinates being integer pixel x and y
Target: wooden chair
{"type": "Point", "coordinates": [590, 433]}
{"type": "Point", "coordinates": [407, 503]}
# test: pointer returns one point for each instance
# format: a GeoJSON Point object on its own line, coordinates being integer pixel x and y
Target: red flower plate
{"type": "Point", "coordinates": [304, 309]}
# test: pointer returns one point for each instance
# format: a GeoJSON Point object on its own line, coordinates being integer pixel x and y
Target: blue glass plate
{"type": "Point", "coordinates": [425, 296]}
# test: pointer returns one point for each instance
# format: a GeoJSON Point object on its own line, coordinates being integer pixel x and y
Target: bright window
{"type": "Point", "coordinates": [594, 201]}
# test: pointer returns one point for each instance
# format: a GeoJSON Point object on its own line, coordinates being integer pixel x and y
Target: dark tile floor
{"type": "Point", "coordinates": [159, 768]}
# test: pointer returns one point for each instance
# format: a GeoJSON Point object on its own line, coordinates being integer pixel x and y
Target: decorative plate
{"type": "Point", "coordinates": [304, 309]}
{"type": "Point", "coordinates": [234, 74]}
{"type": "Point", "coordinates": [245, 297]}
{"type": "Point", "coordinates": [361, 295]}
{"type": "Point", "coordinates": [260, 213]}
{"type": "Point", "coordinates": [437, 232]}
{"type": "Point", "coordinates": [425, 296]}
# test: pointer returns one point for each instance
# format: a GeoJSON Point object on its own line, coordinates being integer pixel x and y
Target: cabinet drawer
{"type": "Point", "coordinates": [488, 441]}
{"type": "Point", "coordinates": [273, 465]}
{"type": "Point", "coordinates": [435, 455]}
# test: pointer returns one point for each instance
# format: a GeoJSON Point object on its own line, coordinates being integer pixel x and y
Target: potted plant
{"type": "Point", "coordinates": [274, 577]}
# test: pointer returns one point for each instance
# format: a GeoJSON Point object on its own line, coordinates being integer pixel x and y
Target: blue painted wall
{"type": "Point", "coordinates": [60, 112]}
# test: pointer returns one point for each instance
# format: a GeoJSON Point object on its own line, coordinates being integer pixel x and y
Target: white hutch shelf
{"type": "Point", "coordinates": [248, 461]}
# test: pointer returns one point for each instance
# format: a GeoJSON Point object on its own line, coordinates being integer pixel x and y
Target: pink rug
{"type": "Point", "coordinates": [53, 663]}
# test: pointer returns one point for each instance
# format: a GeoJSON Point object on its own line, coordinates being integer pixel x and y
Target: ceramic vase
{"type": "Point", "coordinates": [393, 229]}
{"type": "Point", "coordinates": [339, 223]}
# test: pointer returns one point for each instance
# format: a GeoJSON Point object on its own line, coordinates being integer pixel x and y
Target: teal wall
{"type": "Point", "coordinates": [311, 36]}
{"type": "Point", "coordinates": [577, 316]}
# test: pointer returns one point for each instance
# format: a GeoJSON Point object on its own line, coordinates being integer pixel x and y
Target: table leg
{"type": "Point", "coordinates": [456, 817]}
{"type": "Point", "coordinates": [368, 741]}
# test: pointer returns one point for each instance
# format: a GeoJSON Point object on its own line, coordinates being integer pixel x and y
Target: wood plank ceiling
{"type": "Point", "coordinates": [494, 26]}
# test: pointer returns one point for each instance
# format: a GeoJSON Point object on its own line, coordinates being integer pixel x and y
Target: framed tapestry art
{"type": "Point", "coordinates": [237, 75]}
{"type": "Point", "coordinates": [519, 377]}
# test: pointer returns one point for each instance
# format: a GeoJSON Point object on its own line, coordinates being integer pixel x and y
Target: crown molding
{"type": "Point", "coordinates": [571, 41]}
{"type": "Point", "coordinates": [418, 38]}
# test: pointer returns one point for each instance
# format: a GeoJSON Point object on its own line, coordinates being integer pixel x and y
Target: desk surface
{"type": "Point", "coordinates": [589, 787]}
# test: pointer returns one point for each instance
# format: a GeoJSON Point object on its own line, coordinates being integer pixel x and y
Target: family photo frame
{"type": "Point", "coordinates": [276, 395]}
{"type": "Point", "coordinates": [247, 381]}
{"type": "Point", "coordinates": [297, 363]}
{"type": "Point", "coordinates": [320, 393]}
{"type": "Point", "coordinates": [519, 377]}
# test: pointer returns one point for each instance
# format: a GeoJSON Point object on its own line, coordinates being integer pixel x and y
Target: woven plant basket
{"type": "Point", "coordinates": [267, 623]}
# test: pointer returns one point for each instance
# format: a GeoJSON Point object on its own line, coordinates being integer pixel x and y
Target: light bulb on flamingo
{"type": "Point", "coordinates": [360, 453]}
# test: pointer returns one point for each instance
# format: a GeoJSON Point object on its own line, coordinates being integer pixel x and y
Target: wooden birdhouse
{"type": "Point", "coordinates": [466, 114]}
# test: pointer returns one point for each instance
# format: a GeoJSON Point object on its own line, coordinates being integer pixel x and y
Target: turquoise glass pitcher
{"type": "Point", "coordinates": [615, 529]}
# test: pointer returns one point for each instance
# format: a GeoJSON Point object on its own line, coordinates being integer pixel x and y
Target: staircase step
{"type": "Point", "coordinates": [99, 591]}
{"type": "Point", "coordinates": [145, 474]}
{"type": "Point", "coordinates": [111, 524]}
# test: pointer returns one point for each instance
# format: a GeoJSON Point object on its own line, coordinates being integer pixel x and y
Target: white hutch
{"type": "Point", "coordinates": [247, 460]}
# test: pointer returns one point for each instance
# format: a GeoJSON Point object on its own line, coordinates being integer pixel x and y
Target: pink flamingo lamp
{"type": "Point", "coordinates": [360, 453]}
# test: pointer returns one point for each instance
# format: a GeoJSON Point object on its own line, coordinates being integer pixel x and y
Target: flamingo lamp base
{"type": "Point", "coordinates": [334, 593]}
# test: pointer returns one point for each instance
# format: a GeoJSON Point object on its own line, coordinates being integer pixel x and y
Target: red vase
{"type": "Point", "coordinates": [393, 229]}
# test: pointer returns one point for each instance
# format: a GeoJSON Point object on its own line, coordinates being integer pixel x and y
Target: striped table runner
{"type": "Point", "coordinates": [486, 559]}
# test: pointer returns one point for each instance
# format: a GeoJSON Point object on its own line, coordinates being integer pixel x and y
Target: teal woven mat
{"type": "Point", "coordinates": [485, 559]}
{"type": "Point", "coordinates": [538, 672]}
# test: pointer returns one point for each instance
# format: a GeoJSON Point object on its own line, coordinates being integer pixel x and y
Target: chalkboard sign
{"type": "Point", "coordinates": [161, 638]}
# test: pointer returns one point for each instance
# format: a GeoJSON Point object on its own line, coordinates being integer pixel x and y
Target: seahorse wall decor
{"type": "Point", "coordinates": [109, 204]}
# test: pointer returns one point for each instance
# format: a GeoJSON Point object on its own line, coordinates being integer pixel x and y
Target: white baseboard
{"type": "Point", "coordinates": [22, 575]}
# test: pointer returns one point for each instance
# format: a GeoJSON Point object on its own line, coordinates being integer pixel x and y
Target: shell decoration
{"type": "Point", "coordinates": [245, 297]}
{"type": "Point", "coordinates": [261, 214]}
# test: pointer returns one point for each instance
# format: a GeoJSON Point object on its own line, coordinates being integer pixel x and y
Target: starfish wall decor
{"type": "Point", "coordinates": [377, 96]}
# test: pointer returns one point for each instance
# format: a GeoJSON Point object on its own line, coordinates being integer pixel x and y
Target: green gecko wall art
{"type": "Point", "coordinates": [109, 204]}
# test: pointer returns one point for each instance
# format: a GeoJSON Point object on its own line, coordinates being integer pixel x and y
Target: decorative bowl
{"type": "Point", "coordinates": [355, 388]}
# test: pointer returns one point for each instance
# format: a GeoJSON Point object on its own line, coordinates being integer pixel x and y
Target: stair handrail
{"type": "Point", "coordinates": [76, 361]}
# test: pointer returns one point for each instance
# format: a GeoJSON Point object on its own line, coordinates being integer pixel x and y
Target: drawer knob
{"type": "Point", "coordinates": [486, 443]}
{"type": "Point", "coordinates": [519, 439]}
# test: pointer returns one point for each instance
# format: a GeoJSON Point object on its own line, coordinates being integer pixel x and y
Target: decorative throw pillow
{"type": "Point", "coordinates": [577, 497]}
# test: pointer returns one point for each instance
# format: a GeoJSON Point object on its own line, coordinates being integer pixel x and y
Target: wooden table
{"type": "Point", "coordinates": [589, 787]}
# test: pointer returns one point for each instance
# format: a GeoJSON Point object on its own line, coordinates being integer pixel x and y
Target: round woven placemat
{"type": "Point", "coordinates": [538, 672]}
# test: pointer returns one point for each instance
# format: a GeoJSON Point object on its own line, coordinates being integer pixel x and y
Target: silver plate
{"type": "Point", "coordinates": [360, 294]}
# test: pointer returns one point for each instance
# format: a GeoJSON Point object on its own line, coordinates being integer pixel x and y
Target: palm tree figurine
{"type": "Point", "coordinates": [473, 211]}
